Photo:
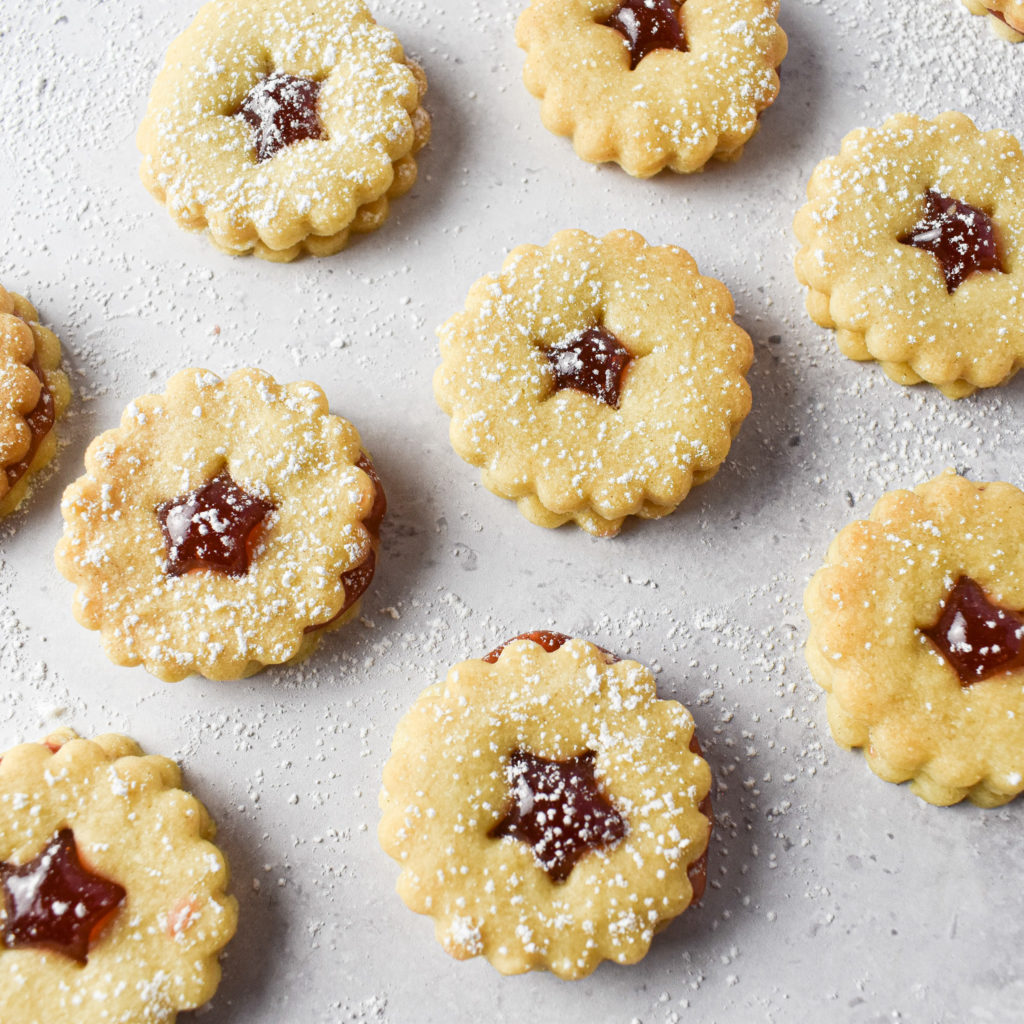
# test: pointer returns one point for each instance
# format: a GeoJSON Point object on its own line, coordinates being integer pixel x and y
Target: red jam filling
{"type": "Point", "coordinates": [547, 639]}
{"type": "Point", "coordinates": [961, 237]}
{"type": "Point", "coordinates": [592, 361]}
{"type": "Point", "coordinates": [978, 638]}
{"type": "Point", "coordinates": [558, 809]}
{"type": "Point", "coordinates": [55, 902]}
{"type": "Point", "coordinates": [648, 25]}
{"type": "Point", "coordinates": [40, 422]}
{"type": "Point", "coordinates": [281, 110]}
{"type": "Point", "coordinates": [215, 527]}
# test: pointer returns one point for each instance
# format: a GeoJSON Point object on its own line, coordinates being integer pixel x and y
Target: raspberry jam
{"type": "Point", "coordinates": [592, 361]}
{"type": "Point", "coordinates": [281, 110]}
{"type": "Point", "coordinates": [648, 25]}
{"type": "Point", "coordinates": [547, 639]}
{"type": "Point", "coordinates": [40, 422]}
{"type": "Point", "coordinates": [978, 638]}
{"type": "Point", "coordinates": [558, 809]}
{"type": "Point", "coordinates": [215, 527]}
{"type": "Point", "coordinates": [961, 237]}
{"type": "Point", "coordinates": [55, 902]}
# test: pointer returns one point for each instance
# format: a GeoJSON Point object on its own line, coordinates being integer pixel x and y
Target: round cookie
{"type": "Point", "coordinates": [594, 378]}
{"type": "Point", "coordinates": [34, 393]}
{"type": "Point", "coordinates": [222, 527]}
{"type": "Point", "coordinates": [912, 240]}
{"type": "Point", "coordinates": [1005, 16]}
{"type": "Point", "coordinates": [281, 126]}
{"type": "Point", "coordinates": [917, 635]}
{"type": "Point", "coordinates": [651, 84]}
{"type": "Point", "coordinates": [547, 809]}
{"type": "Point", "coordinates": [113, 902]}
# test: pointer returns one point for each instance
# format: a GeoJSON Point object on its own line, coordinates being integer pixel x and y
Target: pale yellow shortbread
{"type": "Point", "coordinates": [133, 825]}
{"type": "Point", "coordinates": [277, 442]}
{"type": "Point", "coordinates": [891, 692]}
{"type": "Point", "coordinates": [1005, 16]}
{"type": "Point", "coordinates": [563, 455]}
{"type": "Point", "coordinates": [32, 385]}
{"type": "Point", "coordinates": [675, 109]}
{"type": "Point", "coordinates": [446, 786]}
{"type": "Point", "coordinates": [197, 152]}
{"type": "Point", "coordinates": [889, 301]}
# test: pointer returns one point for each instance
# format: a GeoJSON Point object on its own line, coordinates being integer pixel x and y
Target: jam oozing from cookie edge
{"type": "Point", "coordinates": [547, 639]}
{"type": "Point", "coordinates": [380, 500]}
{"type": "Point", "coordinates": [214, 527]}
{"type": "Point", "coordinates": [648, 25]}
{"type": "Point", "coordinates": [281, 109]}
{"type": "Point", "coordinates": [557, 808]}
{"type": "Point", "coordinates": [40, 422]}
{"type": "Point", "coordinates": [977, 638]}
{"type": "Point", "coordinates": [356, 581]}
{"type": "Point", "coordinates": [961, 237]}
{"type": "Point", "coordinates": [592, 361]}
{"type": "Point", "coordinates": [54, 901]}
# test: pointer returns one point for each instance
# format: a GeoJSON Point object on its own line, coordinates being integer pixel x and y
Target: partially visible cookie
{"type": "Point", "coordinates": [34, 393]}
{"type": "Point", "coordinates": [913, 250]}
{"type": "Point", "coordinates": [547, 809]}
{"type": "Point", "coordinates": [651, 84]}
{"type": "Point", "coordinates": [281, 126]}
{"type": "Point", "coordinates": [594, 378]}
{"type": "Point", "coordinates": [917, 635]}
{"type": "Point", "coordinates": [1005, 16]}
{"type": "Point", "coordinates": [222, 527]}
{"type": "Point", "coordinates": [113, 901]}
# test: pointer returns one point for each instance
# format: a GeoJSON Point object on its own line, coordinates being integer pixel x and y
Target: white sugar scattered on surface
{"type": "Point", "coordinates": [811, 851]}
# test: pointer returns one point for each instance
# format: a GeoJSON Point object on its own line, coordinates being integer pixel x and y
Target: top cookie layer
{"type": "Point", "coordinates": [200, 155]}
{"type": "Point", "coordinates": [877, 608]}
{"type": "Point", "coordinates": [546, 441]}
{"type": "Point", "coordinates": [457, 807]}
{"type": "Point", "coordinates": [276, 445]}
{"type": "Point", "coordinates": [890, 298]}
{"type": "Point", "coordinates": [676, 108]}
{"type": "Point", "coordinates": [137, 831]}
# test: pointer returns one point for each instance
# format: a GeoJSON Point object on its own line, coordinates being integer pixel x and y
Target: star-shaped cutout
{"type": "Point", "coordinates": [978, 638]}
{"type": "Point", "coordinates": [592, 361]}
{"type": "Point", "coordinates": [214, 527]}
{"type": "Point", "coordinates": [281, 110]}
{"type": "Point", "coordinates": [648, 25]}
{"type": "Point", "coordinates": [53, 901]}
{"type": "Point", "coordinates": [558, 809]}
{"type": "Point", "coordinates": [961, 237]}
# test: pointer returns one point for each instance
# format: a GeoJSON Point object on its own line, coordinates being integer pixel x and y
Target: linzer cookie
{"type": "Point", "coordinates": [113, 902]}
{"type": "Point", "coordinates": [917, 634]}
{"type": "Point", "coordinates": [222, 527]}
{"type": "Point", "coordinates": [547, 809]}
{"type": "Point", "coordinates": [651, 84]}
{"type": "Point", "coordinates": [1005, 16]}
{"type": "Point", "coordinates": [594, 378]}
{"type": "Point", "coordinates": [913, 250]}
{"type": "Point", "coordinates": [34, 393]}
{"type": "Point", "coordinates": [281, 126]}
